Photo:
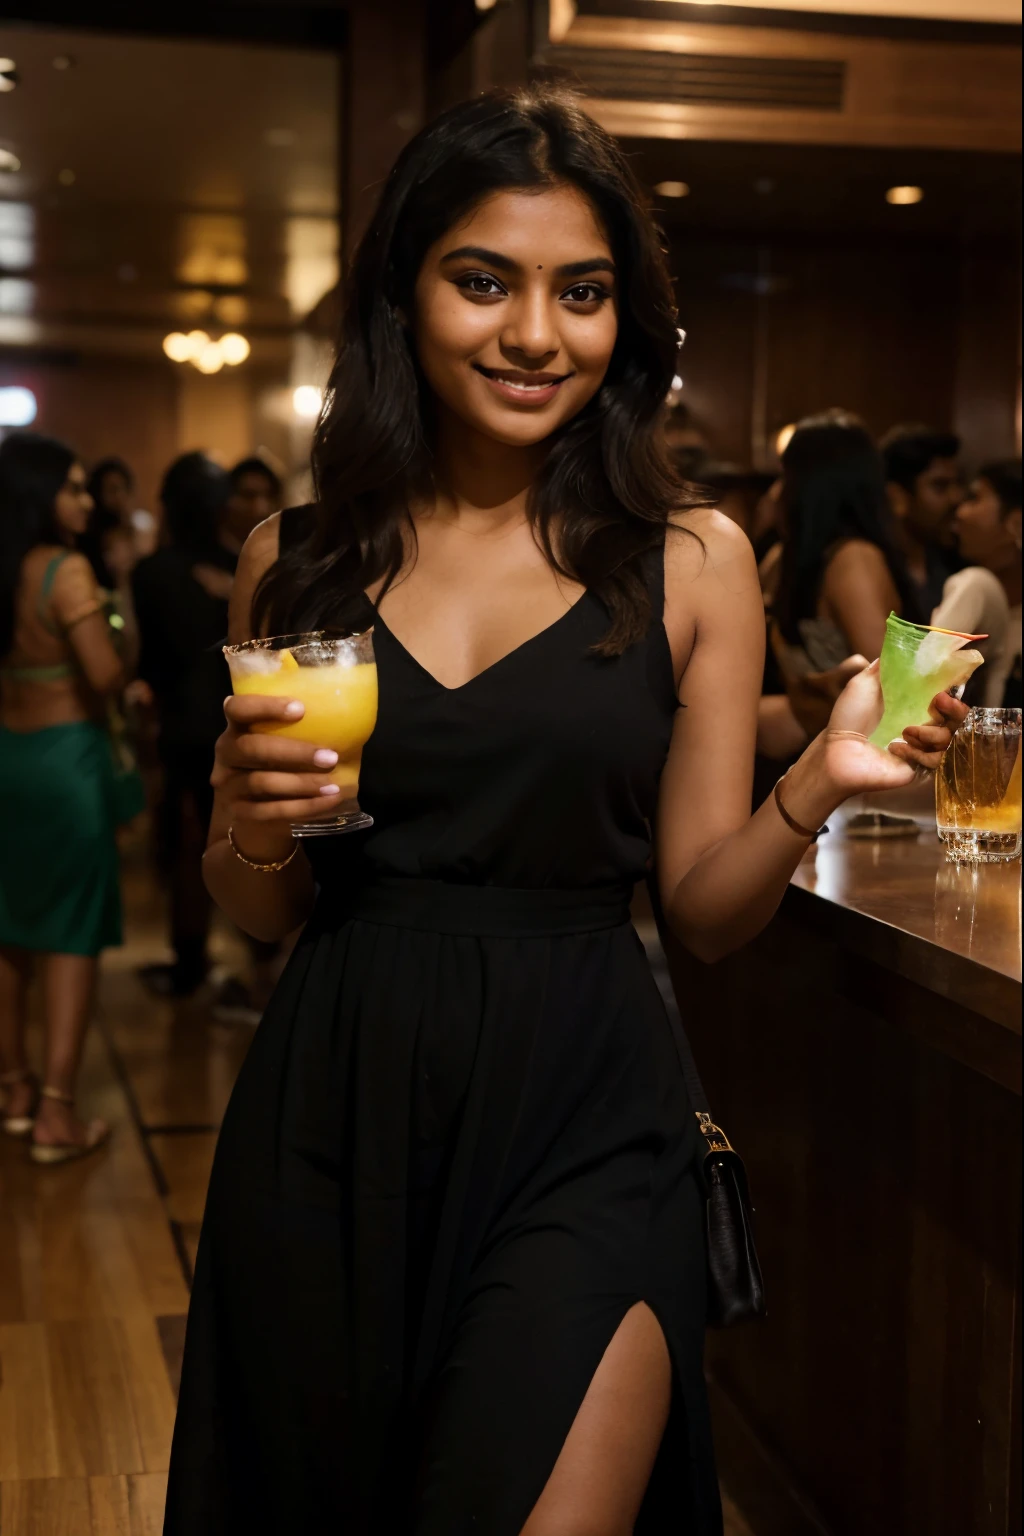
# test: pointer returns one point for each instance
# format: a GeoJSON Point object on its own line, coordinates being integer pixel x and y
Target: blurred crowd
{"type": "Point", "coordinates": [112, 620]}
{"type": "Point", "coordinates": [112, 684]}
{"type": "Point", "coordinates": [850, 530]}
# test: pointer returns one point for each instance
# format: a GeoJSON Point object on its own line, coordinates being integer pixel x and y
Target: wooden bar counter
{"type": "Point", "coordinates": [864, 1055]}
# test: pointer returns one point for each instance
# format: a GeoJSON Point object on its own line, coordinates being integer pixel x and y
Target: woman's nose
{"type": "Point", "coordinates": [531, 329]}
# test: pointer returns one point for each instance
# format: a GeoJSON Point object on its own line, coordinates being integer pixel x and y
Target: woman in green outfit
{"type": "Point", "coordinates": [59, 894]}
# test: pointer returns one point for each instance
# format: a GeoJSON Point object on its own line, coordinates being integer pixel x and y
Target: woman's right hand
{"type": "Point", "coordinates": [263, 783]}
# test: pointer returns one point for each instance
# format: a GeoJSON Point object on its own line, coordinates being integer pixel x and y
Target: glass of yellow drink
{"type": "Point", "coordinates": [977, 789]}
{"type": "Point", "coordinates": [336, 679]}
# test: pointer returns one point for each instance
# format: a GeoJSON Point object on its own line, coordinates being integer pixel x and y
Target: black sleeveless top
{"type": "Point", "coordinates": [566, 804]}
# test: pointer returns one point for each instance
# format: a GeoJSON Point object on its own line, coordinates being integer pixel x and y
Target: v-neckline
{"type": "Point", "coordinates": [516, 650]}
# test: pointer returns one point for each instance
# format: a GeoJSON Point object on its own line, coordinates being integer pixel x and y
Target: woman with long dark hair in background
{"type": "Point", "coordinates": [840, 573]}
{"type": "Point", "coordinates": [59, 891]}
{"type": "Point", "coordinates": [451, 1276]}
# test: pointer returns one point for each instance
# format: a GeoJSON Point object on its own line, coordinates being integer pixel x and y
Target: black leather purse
{"type": "Point", "coordinates": [735, 1287]}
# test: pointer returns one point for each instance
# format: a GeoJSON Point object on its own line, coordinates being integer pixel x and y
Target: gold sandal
{"type": "Point", "coordinates": [96, 1133]}
{"type": "Point", "coordinates": [19, 1125]}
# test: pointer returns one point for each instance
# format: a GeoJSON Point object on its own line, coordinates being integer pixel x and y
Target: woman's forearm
{"type": "Point", "coordinates": [734, 889]}
{"type": "Point", "coordinates": [267, 906]}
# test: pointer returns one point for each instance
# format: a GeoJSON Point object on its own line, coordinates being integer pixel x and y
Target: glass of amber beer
{"type": "Point", "coordinates": [977, 789]}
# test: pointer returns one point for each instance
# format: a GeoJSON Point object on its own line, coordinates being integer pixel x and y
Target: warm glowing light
{"type": "Point", "coordinates": [8, 74]}
{"type": "Point", "coordinates": [677, 381]}
{"type": "Point", "coordinates": [902, 197]}
{"type": "Point", "coordinates": [210, 359]}
{"type": "Point", "coordinates": [197, 340]}
{"type": "Point", "coordinates": [306, 402]}
{"type": "Point", "coordinates": [66, 178]}
{"type": "Point", "coordinates": [784, 438]}
{"type": "Point", "coordinates": [672, 189]}
{"type": "Point", "coordinates": [17, 406]}
{"type": "Point", "coordinates": [234, 348]}
{"type": "Point", "coordinates": [486, 5]}
{"type": "Point", "coordinates": [9, 161]}
{"type": "Point", "coordinates": [177, 347]}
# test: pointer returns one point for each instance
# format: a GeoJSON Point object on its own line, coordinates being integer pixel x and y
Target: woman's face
{"type": "Point", "coordinates": [985, 533]}
{"type": "Point", "coordinates": [115, 494]}
{"type": "Point", "coordinates": [515, 314]}
{"type": "Point", "coordinates": [73, 502]}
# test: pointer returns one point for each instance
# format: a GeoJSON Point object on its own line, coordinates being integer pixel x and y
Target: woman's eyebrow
{"type": "Point", "coordinates": [581, 268]}
{"type": "Point", "coordinates": [479, 253]}
{"type": "Point", "coordinates": [496, 259]}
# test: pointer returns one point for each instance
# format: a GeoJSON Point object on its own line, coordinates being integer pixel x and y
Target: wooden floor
{"type": "Point", "coordinates": [96, 1257]}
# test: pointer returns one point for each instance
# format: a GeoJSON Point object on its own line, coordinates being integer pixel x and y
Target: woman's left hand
{"type": "Point", "coordinates": [854, 767]}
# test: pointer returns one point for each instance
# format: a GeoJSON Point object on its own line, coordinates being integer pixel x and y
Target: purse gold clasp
{"type": "Point", "coordinates": [715, 1137]}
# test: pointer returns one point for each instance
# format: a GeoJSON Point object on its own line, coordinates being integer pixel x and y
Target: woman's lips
{"type": "Point", "coordinates": [522, 388]}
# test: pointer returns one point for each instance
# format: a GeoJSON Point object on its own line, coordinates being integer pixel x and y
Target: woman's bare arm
{"type": "Point", "coordinates": [268, 906]}
{"type": "Point", "coordinates": [78, 609]}
{"type": "Point", "coordinates": [859, 594]}
{"type": "Point", "coordinates": [721, 871]}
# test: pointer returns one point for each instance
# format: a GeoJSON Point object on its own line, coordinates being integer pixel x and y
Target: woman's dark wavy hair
{"type": "Point", "coordinates": [102, 521]}
{"type": "Point", "coordinates": [33, 468]}
{"type": "Point", "coordinates": [192, 495]}
{"type": "Point", "coordinates": [606, 490]}
{"type": "Point", "coordinates": [833, 488]}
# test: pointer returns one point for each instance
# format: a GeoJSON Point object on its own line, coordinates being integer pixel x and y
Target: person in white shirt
{"type": "Point", "coordinates": [985, 597]}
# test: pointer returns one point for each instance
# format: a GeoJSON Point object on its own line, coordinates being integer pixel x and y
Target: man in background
{"type": "Point", "coordinates": [925, 488]}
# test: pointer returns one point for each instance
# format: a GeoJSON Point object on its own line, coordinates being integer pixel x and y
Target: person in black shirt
{"type": "Point", "coordinates": [925, 488]}
{"type": "Point", "coordinates": [181, 602]}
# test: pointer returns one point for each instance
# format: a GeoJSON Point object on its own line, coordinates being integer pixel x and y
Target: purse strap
{"type": "Point", "coordinates": [717, 1140]}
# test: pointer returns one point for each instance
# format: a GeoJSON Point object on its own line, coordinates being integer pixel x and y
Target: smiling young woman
{"type": "Point", "coordinates": [451, 1276]}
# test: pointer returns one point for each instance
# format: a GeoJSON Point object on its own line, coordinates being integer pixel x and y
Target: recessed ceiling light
{"type": "Point", "coordinates": [66, 178]}
{"type": "Point", "coordinates": [672, 189]}
{"type": "Point", "coordinates": [8, 74]}
{"type": "Point", "coordinates": [902, 197]}
{"type": "Point", "coordinates": [9, 161]}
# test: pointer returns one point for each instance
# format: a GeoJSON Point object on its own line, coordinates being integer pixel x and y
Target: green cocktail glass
{"type": "Point", "coordinates": [917, 662]}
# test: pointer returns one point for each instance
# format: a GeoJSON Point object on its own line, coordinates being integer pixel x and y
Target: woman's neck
{"type": "Point", "coordinates": [479, 480]}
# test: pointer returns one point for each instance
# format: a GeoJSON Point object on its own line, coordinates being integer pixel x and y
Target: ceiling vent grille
{"type": "Point", "coordinates": [704, 79]}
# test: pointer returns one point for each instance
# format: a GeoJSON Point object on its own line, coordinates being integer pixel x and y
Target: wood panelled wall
{"type": "Point", "coordinates": [778, 327]}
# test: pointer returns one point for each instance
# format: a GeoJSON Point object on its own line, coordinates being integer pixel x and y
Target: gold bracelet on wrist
{"type": "Point", "coordinates": [791, 821]}
{"type": "Point", "coordinates": [263, 867]}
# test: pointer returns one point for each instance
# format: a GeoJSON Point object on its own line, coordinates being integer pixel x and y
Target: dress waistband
{"type": "Point", "coordinates": [441, 906]}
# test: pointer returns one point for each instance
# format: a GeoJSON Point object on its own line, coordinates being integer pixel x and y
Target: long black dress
{"type": "Point", "coordinates": [460, 1148]}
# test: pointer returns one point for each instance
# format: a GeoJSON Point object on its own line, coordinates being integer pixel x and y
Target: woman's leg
{"type": "Point", "coordinates": [69, 982]}
{"type": "Point", "coordinates": [597, 1484]}
{"type": "Point", "coordinates": [15, 974]}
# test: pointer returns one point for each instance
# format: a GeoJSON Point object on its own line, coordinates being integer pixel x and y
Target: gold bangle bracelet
{"type": "Point", "coordinates": [270, 867]}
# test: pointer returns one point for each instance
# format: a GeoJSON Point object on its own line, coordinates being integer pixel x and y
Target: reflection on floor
{"type": "Point", "coordinates": [95, 1259]}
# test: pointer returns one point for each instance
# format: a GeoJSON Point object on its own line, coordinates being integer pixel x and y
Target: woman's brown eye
{"type": "Point", "coordinates": [479, 283]}
{"type": "Point", "coordinates": [586, 293]}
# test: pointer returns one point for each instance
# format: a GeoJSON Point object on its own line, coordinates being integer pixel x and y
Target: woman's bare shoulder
{"type": "Point", "coordinates": [259, 552]}
{"type": "Point", "coordinates": [706, 548]}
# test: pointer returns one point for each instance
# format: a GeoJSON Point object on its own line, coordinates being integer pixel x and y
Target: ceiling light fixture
{"type": "Point", "coordinates": [672, 189]}
{"type": "Point", "coordinates": [200, 349]}
{"type": "Point", "coordinates": [8, 74]}
{"type": "Point", "coordinates": [903, 197]}
{"type": "Point", "coordinates": [234, 348]}
{"type": "Point", "coordinates": [9, 162]}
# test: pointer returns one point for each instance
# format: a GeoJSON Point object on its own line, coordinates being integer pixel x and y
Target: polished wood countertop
{"type": "Point", "coordinates": [954, 930]}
